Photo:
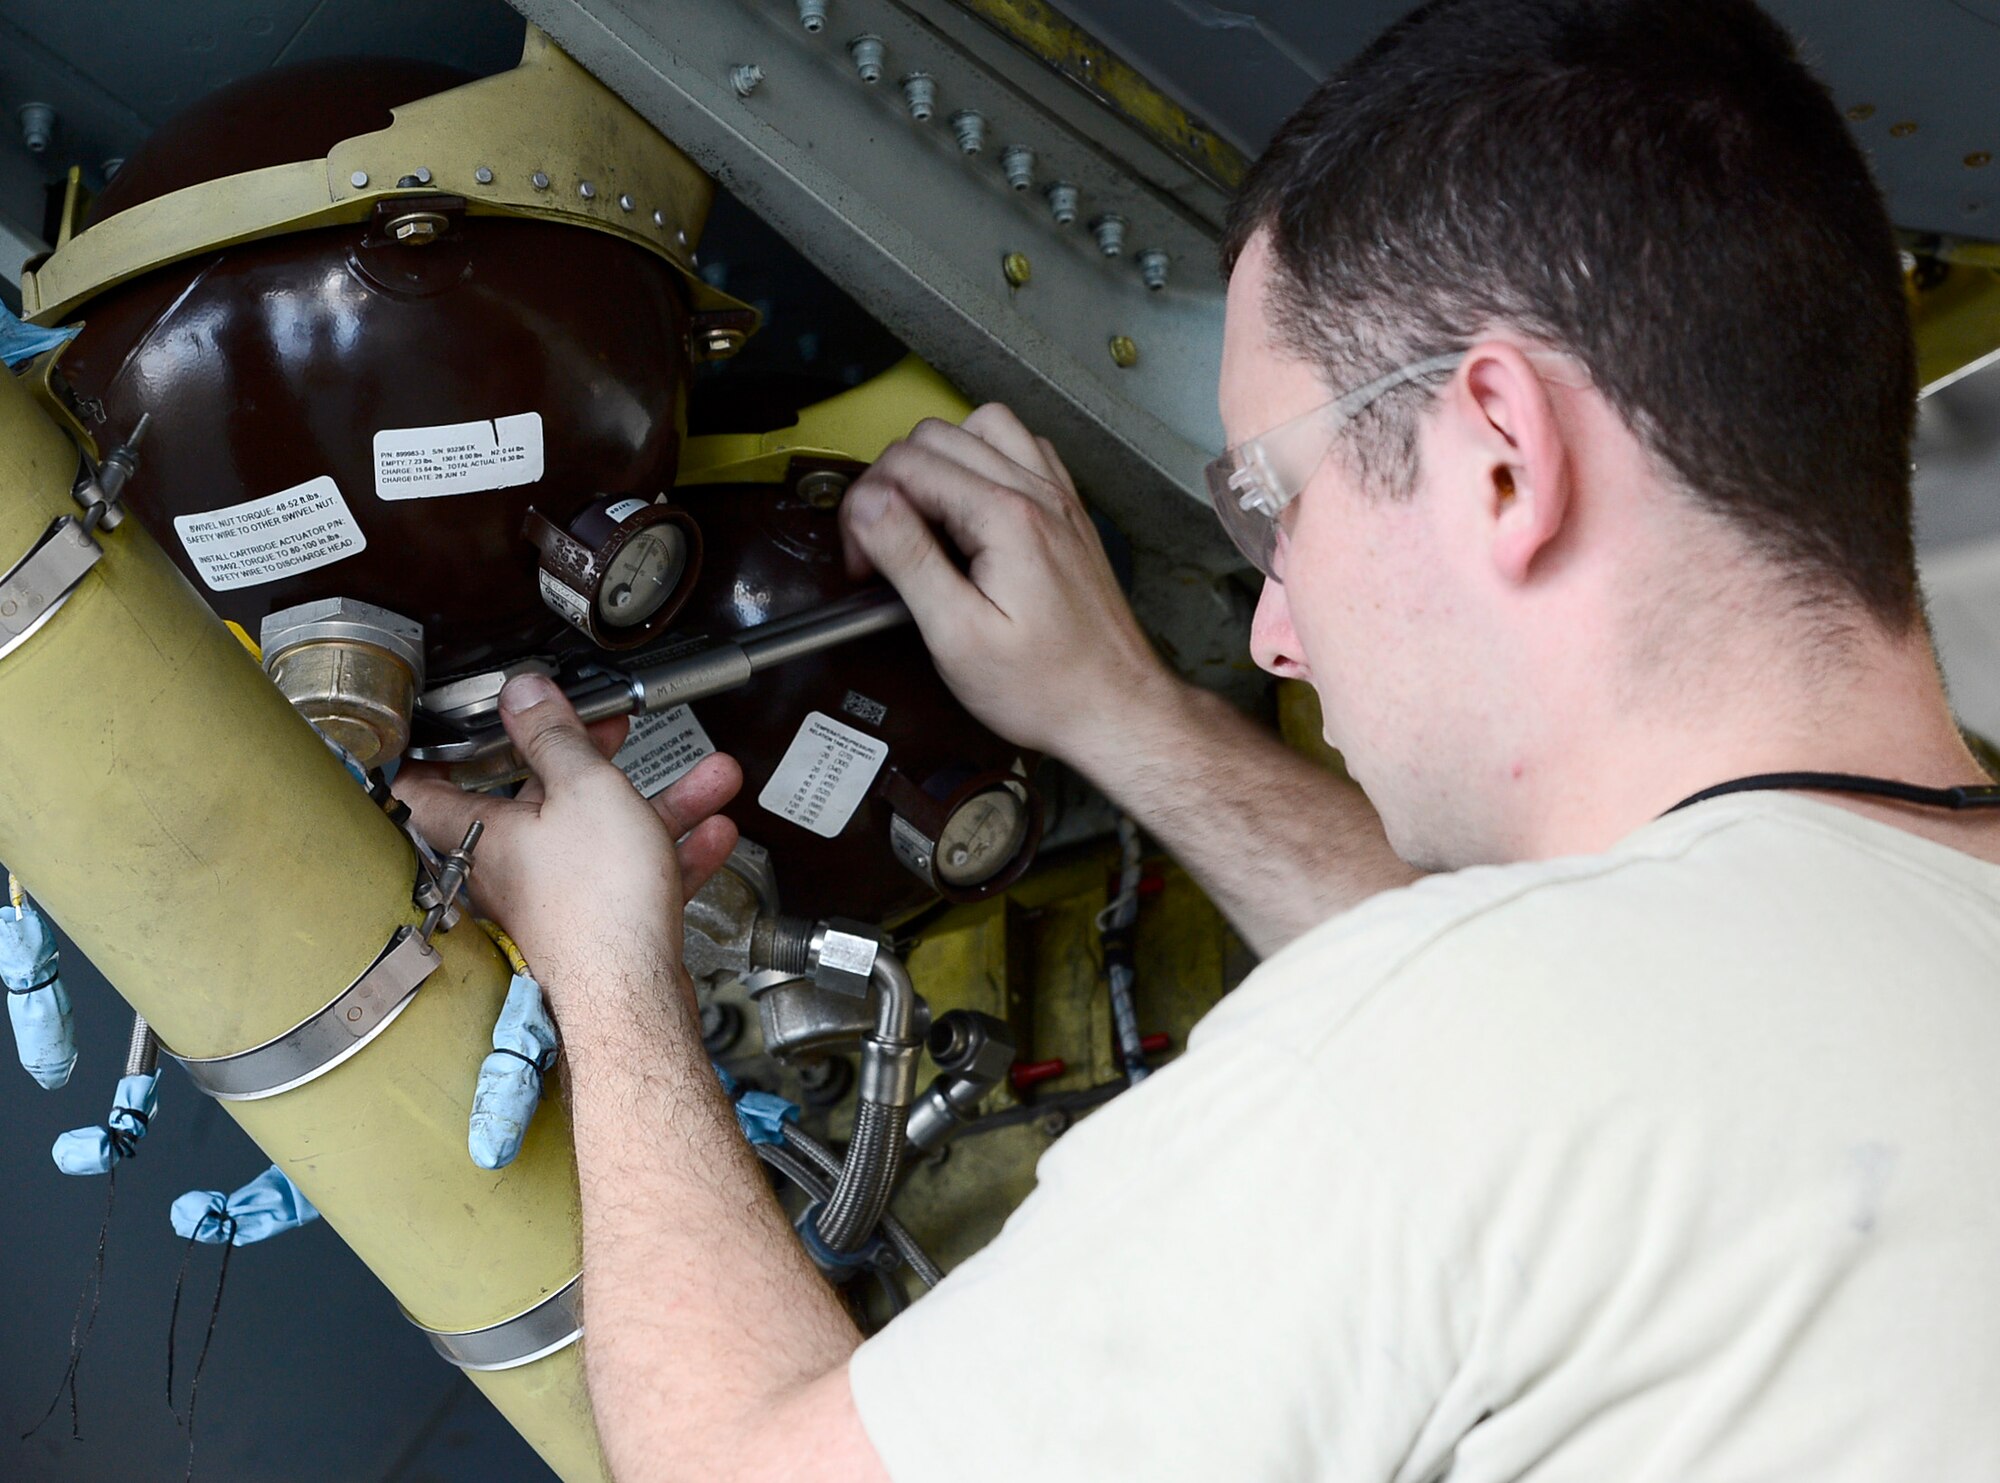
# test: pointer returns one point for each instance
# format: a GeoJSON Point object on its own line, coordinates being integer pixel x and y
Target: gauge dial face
{"type": "Point", "coordinates": [642, 576]}
{"type": "Point", "coordinates": [982, 836]}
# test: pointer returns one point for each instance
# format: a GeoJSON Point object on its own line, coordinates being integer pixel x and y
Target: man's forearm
{"type": "Point", "coordinates": [701, 1310]}
{"type": "Point", "coordinates": [1278, 844]}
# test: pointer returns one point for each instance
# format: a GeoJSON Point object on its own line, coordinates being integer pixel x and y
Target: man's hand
{"type": "Point", "coordinates": [578, 867]}
{"type": "Point", "coordinates": [1034, 638]}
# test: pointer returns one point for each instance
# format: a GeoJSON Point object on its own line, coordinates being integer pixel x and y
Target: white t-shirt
{"type": "Point", "coordinates": [1680, 1162]}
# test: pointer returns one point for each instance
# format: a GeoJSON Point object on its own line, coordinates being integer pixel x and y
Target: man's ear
{"type": "Point", "coordinates": [1519, 448]}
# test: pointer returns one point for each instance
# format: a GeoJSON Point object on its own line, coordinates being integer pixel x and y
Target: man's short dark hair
{"type": "Point", "coordinates": [1662, 190]}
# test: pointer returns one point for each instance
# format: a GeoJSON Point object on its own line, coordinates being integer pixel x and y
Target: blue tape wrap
{"type": "Point", "coordinates": [837, 1265]}
{"type": "Point", "coordinates": [21, 343]}
{"type": "Point", "coordinates": [510, 1079]}
{"type": "Point", "coordinates": [95, 1150]}
{"type": "Point", "coordinates": [37, 1003]}
{"type": "Point", "coordinates": [267, 1206]}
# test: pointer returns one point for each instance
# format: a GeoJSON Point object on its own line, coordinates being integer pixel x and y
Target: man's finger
{"type": "Point", "coordinates": [440, 809]}
{"type": "Point", "coordinates": [698, 793]}
{"type": "Point", "coordinates": [703, 851]}
{"type": "Point", "coordinates": [986, 457]}
{"type": "Point", "coordinates": [998, 427]}
{"type": "Point", "coordinates": [892, 538]}
{"type": "Point", "coordinates": [606, 736]}
{"type": "Point", "coordinates": [547, 733]}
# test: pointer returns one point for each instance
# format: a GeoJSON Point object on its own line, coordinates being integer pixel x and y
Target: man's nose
{"type": "Point", "coordinates": [1273, 644]}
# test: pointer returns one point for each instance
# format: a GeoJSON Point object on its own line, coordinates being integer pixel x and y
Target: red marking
{"type": "Point", "coordinates": [1155, 1045]}
{"type": "Point", "coordinates": [1033, 1073]}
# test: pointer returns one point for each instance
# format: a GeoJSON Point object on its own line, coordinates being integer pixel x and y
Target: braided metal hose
{"type": "Point", "coordinates": [868, 1178]}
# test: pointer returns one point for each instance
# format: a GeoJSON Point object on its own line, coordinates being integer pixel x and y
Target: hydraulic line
{"type": "Point", "coordinates": [874, 1155]}
{"type": "Point", "coordinates": [797, 1159]}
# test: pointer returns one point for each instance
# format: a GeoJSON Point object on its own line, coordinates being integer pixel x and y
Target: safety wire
{"type": "Point", "coordinates": [226, 1227]}
{"type": "Point", "coordinates": [1114, 926]}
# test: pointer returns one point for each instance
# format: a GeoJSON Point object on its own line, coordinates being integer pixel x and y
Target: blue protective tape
{"type": "Point", "coordinates": [21, 343]}
{"type": "Point", "coordinates": [95, 1150]}
{"type": "Point", "coordinates": [267, 1206]}
{"type": "Point", "coordinates": [37, 1003]}
{"type": "Point", "coordinates": [510, 1079]}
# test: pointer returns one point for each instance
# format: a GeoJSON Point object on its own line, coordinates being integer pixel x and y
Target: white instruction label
{"type": "Point", "coordinates": [661, 747]}
{"type": "Point", "coordinates": [824, 775]}
{"type": "Point", "coordinates": [280, 535]}
{"type": "Point", "coordinates": [461, 458]}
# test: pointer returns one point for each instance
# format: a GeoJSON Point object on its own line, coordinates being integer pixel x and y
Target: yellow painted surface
{"type": "Point", "coordinates": [203, 847]}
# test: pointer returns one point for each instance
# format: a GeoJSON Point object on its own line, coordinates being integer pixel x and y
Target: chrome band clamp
{"type": "Point", "coordinates": [554, 1323]}
{"type": "Point", "coordinates": [310, 1049]}
{"type": "Point", "coordinates": [41, 581]}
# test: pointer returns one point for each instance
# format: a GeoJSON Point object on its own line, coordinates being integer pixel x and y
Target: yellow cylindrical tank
{"type": "Point", "coordinates": [213, 858]}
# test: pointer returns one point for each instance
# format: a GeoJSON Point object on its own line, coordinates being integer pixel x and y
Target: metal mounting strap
{"type": "Point", "coordinates": [40, 582]}
{"type": "Point", "coordinates": [310, 1049]}
{"type": "Point", "coordinates": [554, 1323]}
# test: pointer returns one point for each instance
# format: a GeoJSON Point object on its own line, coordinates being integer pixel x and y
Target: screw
{"type": "Point", "coordinates": [539, 180]}
{"type": "Point", "coordinates": [1979, 159]}
{"type": "Point", "coordinates": [745, 77]}
{"type": "Point", "coordinates": [1062, 202]}
{"type": "Point", "coordinates": [1110, 231]}
{"type": "Point", "coordinates": [483, 175]}
{"type": "Point", "coordinates": [812, 15]}
{"type": "Point", "coordinates": [1017, 268]}
{"type": "Point", "coordinates": [969, 129]}
{"type": "Point", "coordinates": [1153, 265]}
{"type": "Point", "coordinates": [1861, 112]}
{"type": "Point", "coordinates": [867, 54]}
{"type": "Point", "coordinates": [38, 127]}
{"type": "Point", "coordinates": [1124, 352]}
{"type": "Point", "coordinates": [1019, 162]}
{"type": "Point", "coordinates": [1903, 129]}
{"type": "Point", "coordinates": [823, 488]}
{"type": "Point", "coordinates": [585, 189]}
{"type": "Point", "coordinates": [920, 94]}
{"type": "Point", "coordinates": [358, 179]}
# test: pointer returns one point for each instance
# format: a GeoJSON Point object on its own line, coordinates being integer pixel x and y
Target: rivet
{"type": "Point", "coordinates": [1860, 113]}
{"type": "Point", "coordinates": [483, 175]}
{"type": "Point", "coordinates": [659, 219]}
{"type": "Point", "coordinates": [1979, 159]}
{"type": "Point", "coordinates": [1153, 265]}
{"type": "Point", "coordinates": [744, 78]}
{"type": "Point", "coordinates": [539, 180]}
{"type": "Point", "coordinates": [812, 15]}
{"type": "Point", "coordinates": [423, 174]}
{"type": "Point", "coordinates": [585, 189]}
{"type": "Point", "coordinates": [358, 179]}
{"type": "Point", "coordinates": [1110, 232]}
{"type": "Point", "coordinates": [1019, 162]}
{"type": "Point", "coordinates": [1062, 202]}
{"type": "Point", "coordinates": [354, 1013]}
{"type": "Point", "coordinates": [867, 52]}
{"type": "Point", "coordinates": [1903, 129]}
{"type": "Point", "coordinates": [624, 203]}
{"type": "Point", "coordinates": [1017, 268]}
{"type": "Point", "coordinates": [920, 96]}
{"type": "Point", "coordinates": [1124, 352]}
{"type": "Point", "coordinates": [969, 128]}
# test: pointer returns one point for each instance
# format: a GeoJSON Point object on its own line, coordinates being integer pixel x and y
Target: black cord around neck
{"type": "Point", "coordinates": [1964, 796]}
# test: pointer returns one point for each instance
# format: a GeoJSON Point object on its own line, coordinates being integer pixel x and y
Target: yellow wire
{"type": "Point", "coordinates": [506, 945]}
{"type": "Point", "coordinates": [14, 892]}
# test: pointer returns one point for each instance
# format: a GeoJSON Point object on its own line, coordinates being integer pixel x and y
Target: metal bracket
{"type": "Point", "coordinates": [554, 1323]}
{"type": "Point", "coordinates": [42, 581]}
{"type": "Point", "coordinates": [310, 1049]}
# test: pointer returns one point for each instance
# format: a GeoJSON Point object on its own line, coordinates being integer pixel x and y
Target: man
{"type": "Point", "coordinates": [1646, 1143]}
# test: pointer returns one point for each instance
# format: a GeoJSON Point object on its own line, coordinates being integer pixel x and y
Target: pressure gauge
{"type": "Point", "coordinates": [621, 571]}
{"type": "Point", "coordinates": [967, 837]}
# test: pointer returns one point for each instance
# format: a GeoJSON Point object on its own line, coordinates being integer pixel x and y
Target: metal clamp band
{"type": "Point", "coordinates": [554, 1323]}
{"type": "Point", "coordinates": [41, 582]}
{"type": "Point", "coordinates": [307, 1051]}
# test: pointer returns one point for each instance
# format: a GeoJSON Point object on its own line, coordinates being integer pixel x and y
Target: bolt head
{"type": "Point", "coordinates": [1017, 269]}
{"type": "Point", "coordinates": [624, 203]}
{"type": "Point", "coordinates": [483, 175]}
{"type": "Point", "coordinates": [358, 179]}
{"type": "Point", "coordinates": [1902, 129]}
{"type": "Point", "coordinates": [539, 180]}
{"type": "Point", "coordinates": [1124, 352]}
{"type": "Point", "coordinates": [585, 189]}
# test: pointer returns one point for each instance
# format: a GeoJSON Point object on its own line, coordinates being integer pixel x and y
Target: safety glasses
{"type": "Point", "coordinates": [1251, 484]}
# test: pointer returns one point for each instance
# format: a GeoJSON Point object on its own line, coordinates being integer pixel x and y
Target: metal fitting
{"type": "Point", "coordinates": [1062, 202]}
{"type": "Point", "coordinates": [1109, 230]}
{"type": "Point", "coordinates": [1019, 162]}
{"type": "Point", "coordinates": [744, 77]}
{"type": "Point", "coordinates": [968, 127]}
{"type": "Point", "coordinates": [823, 488]}
{"type": "Point", "coordinates": [1153, 264]}
{"type": "Point", "coordinates": [38, 127]}
{"type": "Point", "coordinates": [812, 15]}
{"type": "Point", "coordinates": [418, 228]}
{"type": "Point", "coordinates": [920, 96]}
{"type": "Point", "coordinates": [867, 52]}
{"type": "Point", "coordinates": [352, 669]}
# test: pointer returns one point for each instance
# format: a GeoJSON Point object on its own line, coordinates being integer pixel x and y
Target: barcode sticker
{"type": "Point", "coordinates": [824, 775]}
